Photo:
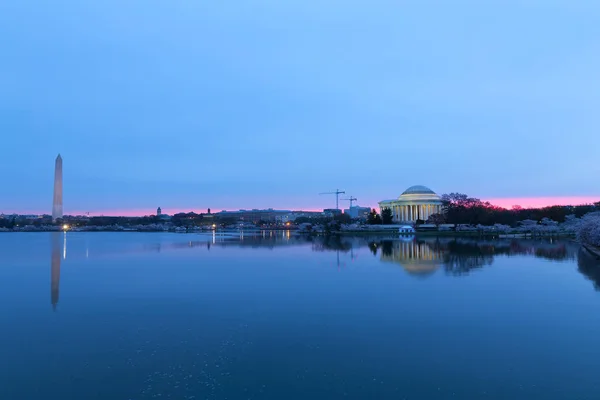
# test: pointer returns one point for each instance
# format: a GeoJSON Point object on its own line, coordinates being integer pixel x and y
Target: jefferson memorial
{"type": "Point", "coordinates": [417, 202]}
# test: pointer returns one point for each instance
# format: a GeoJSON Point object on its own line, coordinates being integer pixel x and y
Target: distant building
{"type": "Point", "coordinates": [358, 212]}
{"type": "Point", "coordinates": [332, 212]}
{"type": "Point", "coordinates": [266, 215]}
{"type": "Point", "coordinates": [31, 216]}
{"type": "Point", "coordinates": [416, 203]}
{"type": "Point", "coordinates": [304, 214]}
{"type": "Point", "coordinates": [161, 216]}
{"type": "Point", "coordinates": [255, 215]}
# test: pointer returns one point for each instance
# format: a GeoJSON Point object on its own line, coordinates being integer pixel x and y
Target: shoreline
{"type": "Point", "coordinates": [453, 234]}
{"type": "Point", "coordinates": [595, 251]}
{"type": "Point", "coordinates": [357, 233]}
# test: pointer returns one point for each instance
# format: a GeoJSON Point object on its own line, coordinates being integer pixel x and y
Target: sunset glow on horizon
{"type": "Point", "coordinates": [165, 211]}
{"type": "Point", "coordinates": [539, 202]}
{"type": "Point", "coordinates": [507, 202]}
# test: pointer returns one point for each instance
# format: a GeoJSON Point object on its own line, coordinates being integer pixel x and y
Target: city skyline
{"type": "Point", "coordinates": [192, 106]}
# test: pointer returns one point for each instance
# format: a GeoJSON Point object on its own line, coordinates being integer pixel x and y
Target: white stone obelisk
{"type": "Point", "coordinates": [57, 204]}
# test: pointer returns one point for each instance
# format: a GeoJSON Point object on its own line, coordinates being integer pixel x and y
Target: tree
{"type": "Point", "coordinates": [548, 222]}
{"type": "Point", "coordinates": [571, 224]}
{"type": "Point", "coordinates": [436, 219]}
{"type": "Point", "coordinates": [589, 229]}
{"type": "Point", "coordinates": [460, 209]}
{"type": "Point", "coordinates": [387, 247]}
{"type": "Point", "coordinates": [529, 225]}
{"type": "Point", "coordinates": [501, 228]}
{"type": "Point", "coordinates": [373, 218]}
{"type": "Point", "coordinates": [373, 248]}
{"type": "Point", "coordinates": [343, 218]}
{"type": "Point", "coordinates": [459, 200]}
{"type": "Point", "coordinates": [386, 216]}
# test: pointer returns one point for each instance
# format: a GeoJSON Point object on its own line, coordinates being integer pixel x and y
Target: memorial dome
{"type": "Point", "coordinates": [419, 193]}
{"type": "Point", "coordinates": [418, 189]}
{"type": "Point", "coordinates": [415, 203]}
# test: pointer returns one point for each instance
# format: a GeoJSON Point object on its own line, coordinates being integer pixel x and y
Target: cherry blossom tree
{"type": "Point", "coordinates": [589, 229]}
{"type": "Point", "coordinates": [528, 225]}
{"type": "Point", "coordinates": [502, 228]}
{"type": "Point", "coordinates": [571, 224]}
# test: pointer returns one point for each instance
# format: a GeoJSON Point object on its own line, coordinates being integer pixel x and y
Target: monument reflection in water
{"type": "Point", "coordinates": [57, 239]}
{"type": "Point", "coordinates": [416, 257]}
{"type": "Point", "coordinates": [422, 257]}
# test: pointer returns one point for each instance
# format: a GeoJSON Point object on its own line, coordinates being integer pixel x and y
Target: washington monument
{"type": "Point", "coordinates": [57, 204]}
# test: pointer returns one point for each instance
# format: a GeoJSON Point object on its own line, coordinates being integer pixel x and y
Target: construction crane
{"type": "Point", "coordinates": [337, 195]}
{"type": "Point", "coordinates": [351, 199]}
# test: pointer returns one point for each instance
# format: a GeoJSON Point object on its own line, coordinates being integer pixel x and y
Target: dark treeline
{"type": "Point", "coordinates": [186, 220]}
{"type": "Point", "coordinates": [181, 219]}
{"type": "Point", "coordinates": [192, 219]}
{"type": "Point", "coordinates": [17, 221]}
{"type": "Point", "coordinates": [461, 209]}
{"type": "Point", "coordinates": [340, 219]}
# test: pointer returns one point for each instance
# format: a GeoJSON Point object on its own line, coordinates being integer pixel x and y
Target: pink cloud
{"type": "Point", "coordinates": [533, 202]}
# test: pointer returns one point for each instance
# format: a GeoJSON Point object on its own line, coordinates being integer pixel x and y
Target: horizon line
{"type": "Point", "coordinates": [503, 202]}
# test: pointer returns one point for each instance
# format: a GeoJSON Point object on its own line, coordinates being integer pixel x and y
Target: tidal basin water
{"type": "Point", "coordinates": [119, 316]}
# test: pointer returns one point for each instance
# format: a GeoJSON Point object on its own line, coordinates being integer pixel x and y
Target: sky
{"type": "Point", "coordinates": [189, 105]}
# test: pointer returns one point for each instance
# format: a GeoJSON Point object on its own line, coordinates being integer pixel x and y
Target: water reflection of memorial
{"type": "Point", "coordinates": [417, 257]}
{"type": "Point", "coordinates": [461, 256]}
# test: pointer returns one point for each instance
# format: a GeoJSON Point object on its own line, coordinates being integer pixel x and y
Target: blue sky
{"type": "Point", "coordinates": [189, 104]}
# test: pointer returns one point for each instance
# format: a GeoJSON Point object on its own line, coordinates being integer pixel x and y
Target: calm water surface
{"type": "Point", "coordinates": [111, 316]}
